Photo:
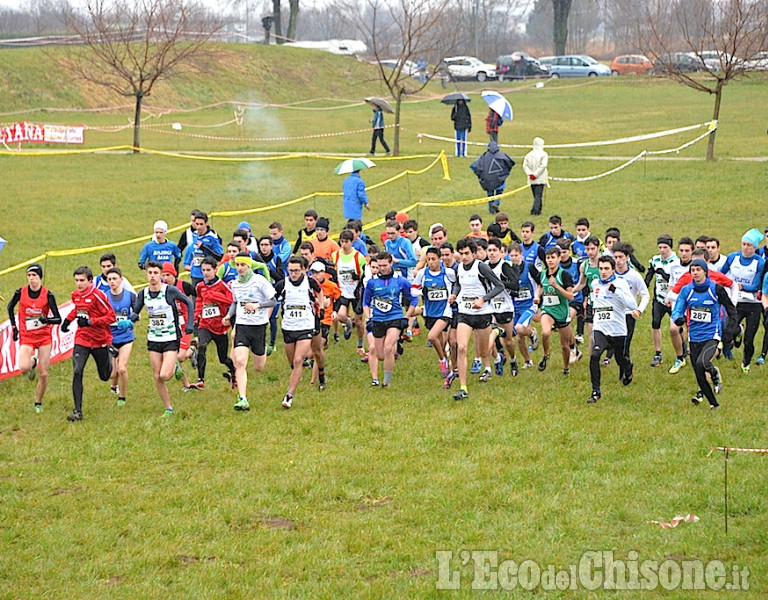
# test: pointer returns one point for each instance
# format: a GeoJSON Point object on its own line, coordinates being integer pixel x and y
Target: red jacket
{"type": "Point", "coordinates": [212, 299]}
{"type": "Point", "coordinates": [94, 303]}
{"type": "Point", "coordinates": [715, 276]}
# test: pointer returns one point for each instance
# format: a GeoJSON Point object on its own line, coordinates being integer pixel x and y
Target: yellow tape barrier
{"type": "Point", "coordinates": [229, 213]}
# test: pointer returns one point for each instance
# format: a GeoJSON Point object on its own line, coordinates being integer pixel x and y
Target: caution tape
{"type": "Point", "coordinates": [750, 450]}
{"type": "Point", "coordinates": [710, 125]}
{"type": "Point", "coordinates": [222, 138]}
{"type": "Point", "coordinates": [224, 213]}
{"type": "Point", "coordinates": [675, 522]}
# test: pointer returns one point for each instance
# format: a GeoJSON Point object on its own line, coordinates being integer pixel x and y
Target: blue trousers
{"type": "Point", "coordinates": [461, 142]}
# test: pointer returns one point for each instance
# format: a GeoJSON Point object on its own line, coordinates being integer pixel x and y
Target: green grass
{"type": "Point", "coordinates": [352, 492]}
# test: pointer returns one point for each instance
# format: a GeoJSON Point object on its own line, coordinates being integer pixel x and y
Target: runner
{"type": "Point", "coordinates": [579, 248]}
{"type": "Point", "coordinates": [525, 309]}
{"type": "Point", "coordinates": [434, 284]}
{"type": "Point", "coordinates": [122, 302]}
{"type": "Point", "coordinates": [277, 272]}
{"type": "Point", "coordinates": [533, 253]}
{"type": "Point", "coordinates": [350, 266]}
{"type": "Point", "coordinates": [187, 350]}
{"type": "Point", "coordinates": [307, 234]}
{"type": "Point", "coordinates": [476, 285]}
{"type": "Point", "coordinates": [107, 262]}
{"type": "Point", "coordinates": [612, 301]}
{"type": "Point", "coordinates": [298, 294]}
{"type": "Point", "coordinates": [577, 304]}
{"type": "Point", "coordinates": [659, 271]}
{"type": "Point", "coordinates": [555, 293]}
{"type": "Point", "coordinates": [93, 314]}
{"type": "Point", "coordinates": [448, 258]}
{"type": "Point", "coordinates": [38, 313]}
{"type": "Point", "coordinates": [685, 252]}
{"type": "Point", "coordinates": [331, 293]}
{"type": "Point", "coordinates": [746, 268]}
{"type": "Point", "coordinates": [253, 297]}
{"type": "Point", "coordinates": [160, 249]}
{"type": "Point", "coordinates": [280, 245]}
{"type": "Point", "coordinates": [401, 250]}
{"type": "Point", "coordinates": [205, 242]}
{"type": "Point", "coordinates": [215, 298]}
{"type": "Point", "coordinates": [164, 328]}
{"type": "Point", "coordinates": [715, 260]}
{"type": "Point", "coordinates": [588, 273]}
{"type": "Point", "coordinates": [383, 310]}
{"type": "Point", "coordinates": [323, 245]}
{"type": "Point", "coordinates": [701, 301]}
{"type": "Point", "coordinates": [503, 305]}
{"type": "Point", "coordinates": [500, 230]}
{"type": "Point", "coordinates": [476, 232]}
{"type": "Point", "coordinates": [549, 240]}
{"type": "Point", "coordinates": [621, 252]}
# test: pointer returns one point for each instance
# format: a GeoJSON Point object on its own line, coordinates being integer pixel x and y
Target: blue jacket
{"type": "Point", "coordinates": [702, 307]}
{"type": "Point", "coordinates": [402, 249]}
{"type": "Point", "coordinates": [383, 296]}
{"type": "Point", "coordinates": [378, 119]}
{"type": "Point", "coordinates": [354, 197]}
{"type": "Point", "coordinates": [283, 249]}
{"type": "Point", "coordinates": [161, 253]}
{"type": "Point", "coordinates": [209, 246]}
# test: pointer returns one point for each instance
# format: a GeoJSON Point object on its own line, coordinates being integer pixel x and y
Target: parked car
{"type": "Point", "coordinates": [631, 64]}
{"type": "Point", "coordinates": [758, 63]}
{"type": "Point", "coordinates": [574, 65]}
{"type": "Point", "coordinates": [681, 62]}
{"type": "Point", "coordinates": [409, 67]}
{"type": "Point", "coordinates": [519, 65]}
{"type": "Point", "coordinates": [468, 67]}
{"type": "Point", "coordinates": [714, 59]}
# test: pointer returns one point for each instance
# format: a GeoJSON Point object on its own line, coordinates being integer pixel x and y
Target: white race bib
{"type": "Point", "coordinates": [345, 277]}
{"type": "Point", "coordinates": [197, 260]}
{"type": "Point", "coordinates": [157, 322]}
{"type": "Point", "coordinates": [437, 294]}
{"type": "Point", "coordinates": [551, 299]}
{"type": "Point", "coordinates": [603, 314]}
{"type": "Point", "coordinates": [497, 304]}
{"type": "Point", "coordinates": [701, 315]}
{"type": "Point", "coordinates": [662, 286]}
{"type": "Point", "coordinates": [211, 311]}
{"type": "Point", "coordinates": [468, 303]}
{"type": "Point", "coordinates": [382, 304]}
{"type": "Point", "coordinates": [33, 323]}
{"type": "Point", "coordinates": [524, 294]}
{"type": "Point", "coordinates": [295, 311]}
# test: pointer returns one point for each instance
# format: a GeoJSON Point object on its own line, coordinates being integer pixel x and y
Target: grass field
{"type": "Point", "coordinates": [354, 491]}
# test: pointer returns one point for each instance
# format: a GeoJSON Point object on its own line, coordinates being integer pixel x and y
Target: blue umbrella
{"type": "Point", "coordinates": [498, 104]}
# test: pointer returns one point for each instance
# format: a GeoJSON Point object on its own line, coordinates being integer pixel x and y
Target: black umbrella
{"type": "Point", "coordinates": [454, 97]}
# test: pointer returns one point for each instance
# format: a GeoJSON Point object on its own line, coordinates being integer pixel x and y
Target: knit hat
{"type": "Point", "coordinates": [753, 236]}
{"type": "Point", "coordinates": [244, 225]}
{"type": "Point", "coordinates": [169, 268]}
{"type": "Point", "coordinates": [160, 225]}
{"type": "Point", "coordinates": [35, 268]}
{"type": "Point", "coordinates": [699, 262]}
{"type": "Point", "coordinates": [323, 223]}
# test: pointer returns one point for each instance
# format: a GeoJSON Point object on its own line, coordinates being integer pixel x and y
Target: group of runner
{"type": "Point", "coordinates": [493, 286]}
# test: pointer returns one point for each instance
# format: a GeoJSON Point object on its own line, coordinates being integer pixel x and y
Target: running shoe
{"type": "Point", "coordinates": [513, 370]}
{"type": "Point", "coordinates": [287, 401]}
{"type": "Point", "coordinates": [606, 362]}
{"type": "Point", "coordinates": [75, 416]}
{"type": "Point", "coordinates": [444, 368]}
{"type": "Point", "coordinates": [579, 339]}
{"type": "Point", "coordinates": [416, 330]}
{"type": "Point", "coordinates": [270, 349]}
{"type": "Point", "coordinates": [168, 413]}
{"type": "Point", "coordinates": [575, 356]}
{"type": "Point", "coordinates": [739, 337]}
{"type": "Point", "coordinates": [543, 362]}
{"type": "Point", "coordinates": [198, 385]}
{"type": "Point", "coordinates": [500, 365]}
{"type": "Point", "coordinates": [178, 373]}
{"type": "Point", "coordinates": [38, 407]}
{"type": "Point", "coordinates": [675, 368]}
{"type": "Point", "coordinates": [374, 383]}
{"type": "Point", "coordinates": [193, 358]}
{"type": "Point", "coordinates": [335, 337]}
{"type": "Point", "coordinates": [115, 389]}
{"type": "Point", "coordinates": [364, 358]}
{"type": "Point", "coordinates": [461, 395]}
{"type": "Point", "coordinates": [32, 373]}
{"type": "Point", "coordinates": [566, 372]}
{"type": "Point", "coordinates": [714, 406]}
{"type": "Point", "coordinates": [121, 401]}
{"type": "Point", "coordinates": [242, 404]}
{"type": "Point", "coordinates": [449, 380]}
{"type": "Point", "coordinates": [407, 336]}
{"type": "Point", "coordinates": [760, 360]}
{"type": "Point", "coordinates": [745, 369]}
{"type": "Point", "coordinates": [528, 364]}
{"type": "Point", "coordinates": [657, 360]}
{"type": "Point", "coordinates": [361, 351]}
{"type": "Point", "coordinates": [348, 329]}
{"type": "Point", "coordinates": [698, 398]}
{"type": "Point", "coordinates": [717, 381]}
{"type": "Point", "coordinates": [534, 341]}
{"type": "Point", "coordinates": [486, 376]}
{"type": "Point", "coordinates": [594, 397]}
{"type": "Point", "coordinates": [231, 378]}
{"type": "Point", "coordinates": [628, 374]}
{"type": "Point", "coordinates": [477, 366]}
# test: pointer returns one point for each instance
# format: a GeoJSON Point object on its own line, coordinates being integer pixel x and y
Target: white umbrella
{"type": "Point", "coordinates": [353, 164]}
{"type": "Point", "coordinates": [2, 244]}
{"type": "Point", "coordinates": [498, 104]}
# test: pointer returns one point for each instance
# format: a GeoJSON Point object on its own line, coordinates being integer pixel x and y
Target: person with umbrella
{"type": "Point", "coordinates": [377, 123]}
{"type": "Point", "coordinates": [492, 168]}
{"type": "Point", "coordinates": [499, 110]}
{"type": "Point", "coordinates": [353, 189]}
{"type": "Point", "coordinates": [462, 123]}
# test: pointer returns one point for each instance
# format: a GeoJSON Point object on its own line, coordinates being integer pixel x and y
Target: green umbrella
{"type": "Point", "coordinates": [353, 164]}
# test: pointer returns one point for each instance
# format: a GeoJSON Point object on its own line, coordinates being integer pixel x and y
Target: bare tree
{"type": "Point", "coordinates": [128, 46]}
{"type": "Point", "coordinates": [736, 30]}
{"type": "Point", "coordinates": [404, 30]}
{"type": "Point", "coordinates": [561, 10]}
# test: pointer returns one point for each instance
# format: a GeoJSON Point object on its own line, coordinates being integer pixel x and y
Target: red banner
{"type": "Point", "coordinates": [41, 133]}
{"type": "Point", "coordinates": [61, 345]}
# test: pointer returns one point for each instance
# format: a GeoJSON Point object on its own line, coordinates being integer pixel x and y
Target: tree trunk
{"type": "Point", "coordinates": [293, 17]}
{"type": "Point", "coordinates": [277, 23]}
{"type": "Point", "coordinates": [561, 9]}
{"type": "Point", "coordinates": [137, 123]}
{"type": "Point", "coordinates": [398, 102]}
{"type": "Point", "coordinates": [715, 117]}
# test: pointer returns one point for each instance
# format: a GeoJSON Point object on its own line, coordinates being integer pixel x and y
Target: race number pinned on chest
{"type": "Point", "coordinates": [211, 311]}
{"type": "Point", "coordinates": [701, 314]}
{"type": "Point", "coordinates": [551, 299]}
{"type": "Point", "coordinates": [382, 304]}
{"type": "Point", "coordinates": [603, 313]}
{"type": "Point", "coordinates": [524, 294]}
{"type": "Point", "coordinates": [437, 294]}
{"type": "Point", "coordinates": [33, 323]}
{"type": "Point", "coordinates": [296, 311]}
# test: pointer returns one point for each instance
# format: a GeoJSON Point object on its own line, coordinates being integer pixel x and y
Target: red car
{"type": "Point", "coordinates": [630, 64]}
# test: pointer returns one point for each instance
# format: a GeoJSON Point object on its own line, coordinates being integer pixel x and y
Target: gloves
{"type": "Point", "coordinates": [612, 288]}
{"type": "Point", "coordinates": [124, 324]}
{"type": "Point", "coordinates": [680, 321]}
{"type": "Point", "coordinates": [531, 176]}
{"type": "Point", "coordinates": [83, 321]}
{"type": "Point", "coordinates": [65, 325]}
{"type": "Point", "coordinates": [43, 320]}
{"type": "Point", "coordinates": [15, 335]}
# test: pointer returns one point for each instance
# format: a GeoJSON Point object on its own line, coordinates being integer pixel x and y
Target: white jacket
{"type": "Point", "coordinates": [536, 163]}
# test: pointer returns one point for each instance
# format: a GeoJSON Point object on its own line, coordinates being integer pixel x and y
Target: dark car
{"type": "Point", "coordinates": [680, 62]}
{"type": "Point", "coordinates": [519, 65]}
